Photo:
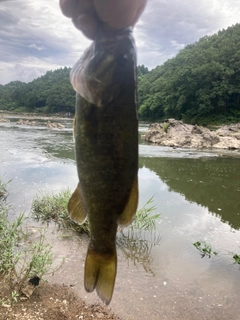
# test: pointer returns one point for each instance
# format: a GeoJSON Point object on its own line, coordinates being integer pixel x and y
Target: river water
{"type": "Point", "coordinates": [197, 194]}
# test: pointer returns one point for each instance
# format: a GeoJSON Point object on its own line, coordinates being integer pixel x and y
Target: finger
{"type": "Point", "coordinates": [119, 14]}
{"type": "Point", "coordinates": [87, 24]}
{"type": "Point", "coordinates": [68, 7]}
{"type": "Point", "coordinates": [73, 8]}
{"type": "Point", "coordinates": [139, 12]}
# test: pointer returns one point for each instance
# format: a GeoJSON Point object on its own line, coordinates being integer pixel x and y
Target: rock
{"type": "Point", "coordinates": [20, 121]}
{"type": "Point", "coordinates": [27, 122]}
{"type": "Point", "coordinates": [28, 289]}
{"type": "Point", "coordinates": [54, 125]}
{"type": "Point", "coordinates": [4, 119]}
{"type": "Point", "coordinates": [175, 133]}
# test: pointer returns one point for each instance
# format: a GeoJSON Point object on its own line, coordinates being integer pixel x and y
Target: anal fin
{"type": "Point", "coordinates": [76, 208]}
{"type": "Point", "coordinates": [128, 215]}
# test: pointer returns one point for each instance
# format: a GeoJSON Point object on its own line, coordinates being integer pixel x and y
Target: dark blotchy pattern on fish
{"type": "Point", "coordinates": [106, 146]}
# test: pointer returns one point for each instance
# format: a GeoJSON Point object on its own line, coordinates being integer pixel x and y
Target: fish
{"type": "Point", "coordinates": [106, 151]}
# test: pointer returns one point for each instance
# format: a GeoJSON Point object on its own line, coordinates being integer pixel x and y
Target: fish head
{"type": "Point", "coordinates": [106, 68]}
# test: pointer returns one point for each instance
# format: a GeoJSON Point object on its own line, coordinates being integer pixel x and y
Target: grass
{"type": "Point", "coordinates": [166, 126]}
{"type": "Point", "coordinates": [135, 241]}
{"type": "Point", "coordinates": [3, 190]}
{"type": "Point", "coordinates": [21, 265]}
{"type": "Point", "coordinates": [144, 219]}
{"type": "Point", "coordinates": [53, 207]}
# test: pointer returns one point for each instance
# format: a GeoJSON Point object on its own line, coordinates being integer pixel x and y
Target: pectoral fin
{"type": "Point", "coordinates": [128, 215]}
{"type": "Point", "coordinates": [76, 208]}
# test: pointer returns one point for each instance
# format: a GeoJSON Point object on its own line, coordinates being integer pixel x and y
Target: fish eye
{"type": "Point", "coordinates": [122, 60]}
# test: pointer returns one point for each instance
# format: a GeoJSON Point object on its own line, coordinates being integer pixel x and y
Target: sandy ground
{"type": "Point", "coordinates": [53, 302]}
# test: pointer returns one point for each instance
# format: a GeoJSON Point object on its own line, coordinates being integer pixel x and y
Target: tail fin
{"type": "Point", "coordinates": [100, 273]}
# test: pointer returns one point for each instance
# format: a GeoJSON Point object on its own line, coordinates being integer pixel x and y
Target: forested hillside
{"type": "Point", "coordinates": [49, 94]}
{"type": "Point", "coordinates": [200, 85]}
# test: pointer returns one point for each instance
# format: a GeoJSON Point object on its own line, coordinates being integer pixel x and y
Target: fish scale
{"type": "Point", "coordinates": [106, 150]}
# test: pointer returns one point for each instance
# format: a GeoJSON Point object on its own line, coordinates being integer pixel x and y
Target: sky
{"type": "Point", "coordinates": [35, 37]}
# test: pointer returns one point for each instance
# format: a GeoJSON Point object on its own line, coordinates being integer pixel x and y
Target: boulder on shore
{"type": "Point", "coordinates": [175, 133]}
{"type": "Point", "coordinates": [2, 119]}
{"type": "Point", "coordinates": [27, 122]}
{"type": "Point", "coordinates": [54, 125]}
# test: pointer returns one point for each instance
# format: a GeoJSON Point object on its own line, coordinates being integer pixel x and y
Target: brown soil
{"type": "Point", "coordinates": [53, 302]}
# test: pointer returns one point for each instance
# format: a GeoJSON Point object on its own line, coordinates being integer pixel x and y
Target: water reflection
{"type": "Point", "coordinates": [202, 177]}
{"type": "Point", "coordinates": [62, 148]}
{"type": "Point", "coordinates": [213, 183]}
{"type": "Point", "coordinates": [186, 185]}
{"type": "Point", "coordinates": [137, 247]}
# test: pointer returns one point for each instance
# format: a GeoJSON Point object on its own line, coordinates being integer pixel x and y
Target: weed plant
{"type": "Point", "coordinates": [166, 126]}
{"type": "Point", "coordinates": [3, 190]}
{"type": "Point", "coordinates": [236, 258]}
{"type": "Point", "coordinates": [205, 249]}
{"type": "Point", "coordinates": [53, 207]}
{"type": "Point", "coordinates": [135, 241]}
{"type": "Point", "coordinates": [19, 264]}
{"type": "Point", "coordinates": [144, 219]}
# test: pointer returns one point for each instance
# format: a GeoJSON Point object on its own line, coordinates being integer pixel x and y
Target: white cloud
{"type": "Point", "coordinates": [39, 48]}
{"type": "Point", "coordinates": [37, 31]}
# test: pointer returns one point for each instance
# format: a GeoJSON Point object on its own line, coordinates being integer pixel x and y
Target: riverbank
{"type": "Point", "coordinates": [175, 133]}
{"type": "Point", "coordinates": [5, 115]}
{"type": "Point", "coordinates": [21, 296]}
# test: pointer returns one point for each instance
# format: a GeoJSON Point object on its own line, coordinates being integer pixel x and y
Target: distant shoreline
{"type": "Point", "coordinates": [29, 115]}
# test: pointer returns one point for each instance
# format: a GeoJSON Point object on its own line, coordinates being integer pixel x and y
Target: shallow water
{"type": "Point", "coordinates": [197, 194]}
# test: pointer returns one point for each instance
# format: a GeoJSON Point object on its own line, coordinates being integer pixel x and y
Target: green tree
{"type": "Point", "coordinates": [201, 83]}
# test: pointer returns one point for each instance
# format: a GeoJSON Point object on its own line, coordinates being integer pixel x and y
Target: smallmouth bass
{"type": "Point", "coordinates": [106, 151]}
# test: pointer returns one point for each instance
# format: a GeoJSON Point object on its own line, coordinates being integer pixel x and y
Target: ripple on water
{"type": "Point", "coordinates": [197, 196]}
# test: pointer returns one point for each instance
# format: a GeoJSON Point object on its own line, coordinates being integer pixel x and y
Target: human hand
{"type": "Point", "coordinates": [87, 15]}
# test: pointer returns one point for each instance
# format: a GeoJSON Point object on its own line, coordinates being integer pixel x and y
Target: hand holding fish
{"type": "Point", "coordinates": [88, 15]}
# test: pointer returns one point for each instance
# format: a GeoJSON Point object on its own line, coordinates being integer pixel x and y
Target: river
{"type": "Point", "coordinates": [197, 194]}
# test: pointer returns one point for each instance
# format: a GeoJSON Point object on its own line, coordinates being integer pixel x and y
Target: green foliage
{"type": "Point", "coordinates": [20, 260]}
{"type": "Point", "coordinates": [3, 190]}
{"type": "Point", "coordinates": [204, 248]}
{"type": "Point", "coordinates": [236, 258]}
{"type": "Point", "coordinates": [38, 259]}
{"type": "Point", "coordinates": [200, 85]}
{"type": "Point", "coordinates": [144, 220]}
{"type": "Point", "coordinates": [20, 264]}
{"type": "Point", "coordinates": [10, 235]}
{"type": "Point", "coordinates": [6, 101]}
{"type": "Point", "coordinates": [53, 207]}
{"type": "Point", "coordinates": [201, 82]}
{"type": "Point", "coordinates": [50, 93]}
{"type": "Point", "coordinates": [142, 70]}
{"type": "Point", "coordinates": [166, 126]}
